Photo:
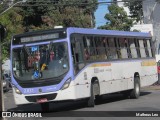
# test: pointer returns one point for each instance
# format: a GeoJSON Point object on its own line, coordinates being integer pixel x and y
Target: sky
{"type": "Point", "coordinates": [100, 13]}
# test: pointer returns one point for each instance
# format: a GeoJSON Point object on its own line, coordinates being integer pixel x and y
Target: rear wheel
{"type": "Point", "coordinates": [135, 93]}
{"type": "Point", "coordinates": [45, 107]}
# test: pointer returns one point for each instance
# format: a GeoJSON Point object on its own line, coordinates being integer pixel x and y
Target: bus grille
{"type": "Point", "coordinates": [34, 98]}
{"type": "Point", "coordinates": [31, 84]}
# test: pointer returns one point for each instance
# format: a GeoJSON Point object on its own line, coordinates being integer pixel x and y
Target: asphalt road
{"type": "Point", "coordinates": [148, 101]}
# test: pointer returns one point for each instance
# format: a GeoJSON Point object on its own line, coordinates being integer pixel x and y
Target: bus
{"type": "Point", "coordinates": [80, 63]}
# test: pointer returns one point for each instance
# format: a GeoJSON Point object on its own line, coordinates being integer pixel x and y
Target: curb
{"type": "Point", "coordinates": [153, 87]}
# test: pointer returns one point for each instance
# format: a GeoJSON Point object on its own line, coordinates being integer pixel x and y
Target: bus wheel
{"type": "Point", "coordinates": [45, 107]}
{"type": "Point", "coordinates": [91, 102]}
{"type": "Point", "coordinates": [135, 93]}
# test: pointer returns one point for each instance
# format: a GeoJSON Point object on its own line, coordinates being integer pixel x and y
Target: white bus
{"type": "Point", "coordinates": [77, 63]}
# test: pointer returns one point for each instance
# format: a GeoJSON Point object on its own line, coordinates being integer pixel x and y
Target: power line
{"type": "Point", "coordinates": [56, 3]}
{"type": "Point", "coordinates": [80, 1]}
{"type": "Point", "coordinates": [10, 7]}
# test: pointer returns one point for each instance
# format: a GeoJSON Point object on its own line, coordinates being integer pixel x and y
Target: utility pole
{"type": "Point", "coordinates": [2, 34]}
{"type": "Point", "coordinates": [91, 16]}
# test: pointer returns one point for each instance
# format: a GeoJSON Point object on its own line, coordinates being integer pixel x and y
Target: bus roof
{"type": "Point", "coordinates": [89, 31]}
{"type": "Point", "coordinates": [109, 32]}
{"type": "Point", "coordinates": [39, 32]}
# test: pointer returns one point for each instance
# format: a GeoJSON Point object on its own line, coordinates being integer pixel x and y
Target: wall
{"type": "Point", "coordinates": [151, 11]}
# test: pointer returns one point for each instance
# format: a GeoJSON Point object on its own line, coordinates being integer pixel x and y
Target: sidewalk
{"type": "Point", "coordinates": [155, 86]}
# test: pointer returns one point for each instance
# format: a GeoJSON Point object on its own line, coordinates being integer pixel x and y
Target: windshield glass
{"type": "Point", "coordinates": [40, 61]}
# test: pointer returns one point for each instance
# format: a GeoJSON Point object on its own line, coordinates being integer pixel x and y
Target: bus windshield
{"type": "Point", "coordinates": [40, 61]}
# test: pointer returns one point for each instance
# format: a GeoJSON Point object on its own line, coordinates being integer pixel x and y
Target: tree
{"type": "Point", "coordinates": [59, 12]}
{"type": "Point", "coordinates": [12, 20]}
{"type": "Point", "coordinates": [3, 5]}
{"type": "Point", "coordinates": [135, 8]}
{"type": "Point", "coordinates": [118, 19]}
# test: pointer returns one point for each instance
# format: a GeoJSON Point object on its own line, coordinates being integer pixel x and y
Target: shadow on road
{"type": "Point", "coordinates": [72, 105]}
{"type": "Point", "coordinates": [145, 93]}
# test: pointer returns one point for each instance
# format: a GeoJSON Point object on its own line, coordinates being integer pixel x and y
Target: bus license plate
{"type": "Point", "coordinates": [42, 100]}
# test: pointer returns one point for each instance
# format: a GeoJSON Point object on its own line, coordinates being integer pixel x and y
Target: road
{"type": "Point", "coordinates": [148, 101]}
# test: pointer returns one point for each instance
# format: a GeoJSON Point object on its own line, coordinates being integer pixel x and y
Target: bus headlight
{"type": "Point", "coordinates": [4, 83]}
{"type": "Point", "coordinates": [66, 84]}
{"type": "Point", "coordinates": [17, 90]}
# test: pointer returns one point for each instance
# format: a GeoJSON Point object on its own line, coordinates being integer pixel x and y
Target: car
{"type": "Point", "coordinates": [6, 82]}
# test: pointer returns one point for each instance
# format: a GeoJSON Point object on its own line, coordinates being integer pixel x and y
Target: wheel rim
{"type": "Point", "coordinates": [137, 89]}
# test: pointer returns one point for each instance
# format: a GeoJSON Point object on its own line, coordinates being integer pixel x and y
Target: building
{"type": "Point", "coordinates": [151, 9]}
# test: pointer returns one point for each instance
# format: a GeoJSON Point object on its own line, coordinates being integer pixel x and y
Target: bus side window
{"type": "Point", "coordinates": [112, 48]}
{"type": "Point", "coordinates": [86, 54]}
{"type": "Point", "coordinates": [105, 45]}
{"type": "Point", "coordinates": [89, 49]}
{"type": "Point", "coordinates": [86, 48]}
{"type": "Point", "coordinates": [100, 48]}
{"type": "Point", "coordinates": [149, 48]}
{"type": "Point", "coordinates": [146, 47]}
{"type": "Point", "coordinates": [132, 48]}
{"type": "Point", "coordinates": [142, 48]}
{"type": "Point", "coordinates": [123, 48]}
{"type": "Point", "coordinates": [128, 47]}
{"type": "Point", "coordinates": [117, 44]}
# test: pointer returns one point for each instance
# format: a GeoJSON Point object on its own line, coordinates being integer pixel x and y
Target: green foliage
{"type": "Point", "coordinates": [135, 30]}
{"type": "Point", "coordinates": [12, 21]}
{"type": "Point", "coordinates": [118, 19]}
{"type": "Point", "coordinates": [3, 6]}
{"type": "Point", "coordinates": [71, 17]}
{"type": "Point", "coordinates": [61, 12]}
{"type": "Point", "coordinates": [136, 9]}
{"type": "Point", "coordinates": [32, 14]}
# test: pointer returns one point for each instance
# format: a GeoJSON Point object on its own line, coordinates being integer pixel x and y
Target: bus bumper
{"type": "Point", "coordinates": [66, 94]}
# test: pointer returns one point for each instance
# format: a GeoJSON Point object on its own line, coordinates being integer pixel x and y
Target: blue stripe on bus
{"type": "Point", "coordinates": [108, 32]}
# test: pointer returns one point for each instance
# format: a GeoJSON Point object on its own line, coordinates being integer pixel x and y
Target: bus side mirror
{"type": "Point", "coordinates": [2, 32]}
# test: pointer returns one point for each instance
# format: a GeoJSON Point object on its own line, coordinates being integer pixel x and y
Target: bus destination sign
{"type": "Point", "coordinates": [39, 38]}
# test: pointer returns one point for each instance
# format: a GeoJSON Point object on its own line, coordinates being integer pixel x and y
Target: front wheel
{"type": "Point", "coordinates": [135, 93]}
{"type": "Point", "coordinates": [91, 101]}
